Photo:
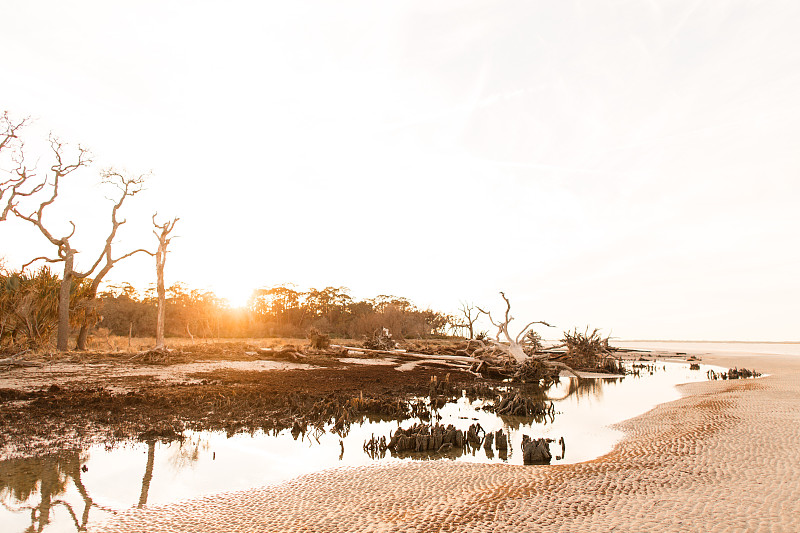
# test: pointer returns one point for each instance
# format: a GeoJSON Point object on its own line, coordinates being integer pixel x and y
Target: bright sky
{"type": "Point", "coordinates": [631, 166]}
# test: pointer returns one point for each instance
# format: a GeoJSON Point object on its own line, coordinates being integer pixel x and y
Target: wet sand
{"type": "Point", "coordinates": [725, 457]}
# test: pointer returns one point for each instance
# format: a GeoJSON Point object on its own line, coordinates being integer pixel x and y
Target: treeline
{"type": "Point", "coordinates": [29, 312]}
{"type": "Point", "coordinates": [277, 311]}
{"type": "Point", "coordinates": [36, 305]}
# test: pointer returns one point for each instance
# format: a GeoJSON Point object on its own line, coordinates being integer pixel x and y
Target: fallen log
{"type": "Point", "coordinates": [10, 361]}
{"type": "Point", "coordinates": [14, 360]}
{"type": "Point", "coordinates": [410, 355]}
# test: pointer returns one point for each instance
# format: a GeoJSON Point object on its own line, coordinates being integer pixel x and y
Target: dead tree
{"type": "Point", "coordinates": [65, 252]}
{"type": "Point", "coordinates": [161, 258]}
{"type": "Point", "coordinates": [510, 346]}
{"type": "Point", "coordinates": [513, 348]}
{"type": "Point", "coordinates": [128, 187]}
{"type": "Point", "coordinates": [13, 183]}
{"type": "Point", "coordinates": [469, 315]}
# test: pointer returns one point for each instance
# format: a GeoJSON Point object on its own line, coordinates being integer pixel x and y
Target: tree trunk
{"type": "Point", "coordinates": [62, 343]}
{"type": "Point", "coordinates": [83, 333]}
{"type": "Point", "coordinates": [91, 298]}
{"type": "Point", "coordinates": [161, 256]}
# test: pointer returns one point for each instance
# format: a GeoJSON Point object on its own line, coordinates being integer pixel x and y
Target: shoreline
{"type": "Point", "coordinates": [723, 457]}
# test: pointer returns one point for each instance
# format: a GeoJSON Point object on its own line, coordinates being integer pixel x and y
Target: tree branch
{"type": "Point", "coordinates": [29, 263]}
{"type": "Point", "coordinates": [120, 258]}
{"type": "Point", "coordinates": [9, 139]}
{"type": "Point", "coordinates": [128, 187]}
{"type": "Point", "coordinates": [59, 170]}
{"type": "Point", "coordinates": [525, 329]}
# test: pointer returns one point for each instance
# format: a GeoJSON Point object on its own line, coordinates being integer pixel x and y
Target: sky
{"type": "Point", "coordinates": [630, 166]}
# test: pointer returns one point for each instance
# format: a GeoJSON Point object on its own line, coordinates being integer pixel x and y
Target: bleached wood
{"type": "Point", "coordinates": [161, 258]}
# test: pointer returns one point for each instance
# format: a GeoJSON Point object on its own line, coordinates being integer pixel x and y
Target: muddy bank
{"type": "Point", "coordinates": [123, 401]}
{"type": "Point", "coordinates": [69, 400]}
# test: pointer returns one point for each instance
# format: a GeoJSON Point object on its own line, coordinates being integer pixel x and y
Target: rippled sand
{"type": "Point", "coordinates": [726, 457]}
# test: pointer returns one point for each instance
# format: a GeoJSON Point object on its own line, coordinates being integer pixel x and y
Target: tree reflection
{"type": "Point", "coordinates": [50, 475]}
{"type": "Point", "coordinates": [585, 388]}
{"type": "Point", "coordinates": [187, 453]}
{"type": "Point", "coordinates": [148, 472]}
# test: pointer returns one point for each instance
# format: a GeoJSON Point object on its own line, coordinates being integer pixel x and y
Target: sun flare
{"type": "Point", "coordinates": [237, 296]}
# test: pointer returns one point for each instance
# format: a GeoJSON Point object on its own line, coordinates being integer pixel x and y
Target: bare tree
{"type": "Point", "coordinates": [127, 187]}
{"type": "Point", "coordinates": [161, 258]}
{"type": "Point", "coordinates": [513, 346]}
{"type": "Point", "coordinates": [14, 181]}
{"type": "Point", "coordinates": [65, 252]}
{"type": "Point", "coordinates": [469, 315]}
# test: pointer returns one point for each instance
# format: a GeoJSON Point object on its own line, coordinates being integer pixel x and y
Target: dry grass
{"type": "Point", "coordinates": [105, 348]}
{"type": "Point", "coordinates": [114, 343]}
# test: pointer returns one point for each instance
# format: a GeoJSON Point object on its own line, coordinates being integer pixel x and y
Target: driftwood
{"type": "Point", "coordinates": [516, 350]}
{"type": "Point", "coordinates": [284, 353]}
{"type": "Point", "coordinates": [156, 356]}
{"type": "Point", "coordinates": [14, 361]}
{"type": "Point", "coordinates": [409, 355]}
{"type": "Point", "coordinates": [733, 373]}
{"type": "Point", "coordinates": [381, 340]}
{"type": "Point", "coordinates": [10, 361]}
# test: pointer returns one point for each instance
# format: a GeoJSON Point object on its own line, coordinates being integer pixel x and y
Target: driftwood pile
{"type": "Point", "coordinates": [534, 371]}
{"type": "Point", "coordinates": [733, 373]}
{"type": "Point", "coordinates": [155, 356]}
{"type": "Point", "coordinates": [381, 340]}
{"type": "Point", "coordinates": [318, 340]}
{"type": "Point", "coordinates": [522, 358]}
{"type": "Point", "coordinates": [586, 346]}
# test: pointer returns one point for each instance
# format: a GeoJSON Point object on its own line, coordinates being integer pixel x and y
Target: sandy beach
{"type": "Point", "coordinates": [725, 457]}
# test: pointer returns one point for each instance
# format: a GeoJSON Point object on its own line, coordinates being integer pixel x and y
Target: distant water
{"type": "Point", "coordinates": [715, 348]}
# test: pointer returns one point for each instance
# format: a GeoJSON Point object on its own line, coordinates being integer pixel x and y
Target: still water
{"type": "Point", "coordinates": [67, 491]}
{"type": "Point", "coordinates": [716, 348]}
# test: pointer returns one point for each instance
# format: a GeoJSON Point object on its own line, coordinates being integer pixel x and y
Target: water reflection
{"type": "Point", "coordinates": [21, 480]}
{"type": "Point", "coordinates": [65, 492]}
{"type": "Point", "coordinates": [148, 472]}
{"type": "Point", "coordinates": [584, 388]}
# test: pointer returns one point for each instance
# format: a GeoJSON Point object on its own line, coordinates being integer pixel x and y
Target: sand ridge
{"type": "Point", "coordinates": [726, 457]}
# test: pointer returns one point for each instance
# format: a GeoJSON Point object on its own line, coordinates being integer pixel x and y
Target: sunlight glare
{"type": "Point", "coordinates": [237, 295]}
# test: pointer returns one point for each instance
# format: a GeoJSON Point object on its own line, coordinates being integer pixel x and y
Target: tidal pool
{"type": "Point", "coordinates": [66, 491]}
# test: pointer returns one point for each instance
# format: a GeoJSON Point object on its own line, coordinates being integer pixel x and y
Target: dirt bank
{"type": "Point", "coordinates": [103, 397]}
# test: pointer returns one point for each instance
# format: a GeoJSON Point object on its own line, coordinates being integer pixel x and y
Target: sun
{"type": "Point", "coordinates": [237, 295]}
